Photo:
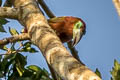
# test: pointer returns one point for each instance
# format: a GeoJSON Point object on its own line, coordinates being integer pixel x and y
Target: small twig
{"type": "Point", "coordinates": [7, 3]}
{"type": "Point", "coordinates": [12, 52]}
{"type": "Point", "coordinates": [74, 52]}
{"type": "Point", "coordinates": [21, 37]}
{"type": "Point", "coordinates": [46, 9]}
{"type": "Point", "coordinates": [7, 12]}
{"type": "Point", "coordinates": [117, 5]}
{"type": "Point", "coordinates": [0, 2]}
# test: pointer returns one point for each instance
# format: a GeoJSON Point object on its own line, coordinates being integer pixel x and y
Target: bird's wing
{"type": "Point", "coordinates": [56, 19]}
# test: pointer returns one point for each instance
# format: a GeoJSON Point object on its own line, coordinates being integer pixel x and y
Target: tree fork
{"type": "Point", "coordinates": [45, 38]}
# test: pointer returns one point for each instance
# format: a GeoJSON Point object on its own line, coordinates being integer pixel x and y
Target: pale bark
{"type": "Point", "coordinates": [73, 51]}
{"type": "Point", "coordinates": [50, 15]}
{"type": "Point", "coordinates": [7, 12]}
{"type": "Point", "coordinates": [117, 5]}
{"type": "Point", "coordinates": [21, 37]}
{"type": "Point", "coordinates": [50, 45]}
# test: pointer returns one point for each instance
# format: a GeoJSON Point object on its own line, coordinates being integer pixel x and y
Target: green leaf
{"type": "Point", "coordinates": [20, 62]}
{"type": "Point", "coordinates": [34, 68]}
{"type": "Point", "coordinates": [7, 61]}
{"type": "Point", "coordinates": [12, 67]}
{"type": "Point", "coordinates": [20, 70]}
{"type": "Point", "coordinates": [45, 78]}
{"type": "Point", "coordinates": [13, 31]}
{"type": "Point", "coordinates": [3, 66]}
{"type": "Point", "coordinates": [27, 44]}
{"type": "Point", "coordinates": [31, 50]}
{"type": "Point", "coordinates": [111, 78]}
{"type": "Point", "coordinates": [45, 72]}
{"type": "Point", "coordinates": [4, 47]}
{"type": "Point", "coordinates": [0, 57]}
{"type": "Point", "coordinates": [27, 48]}
{"type": "Point", "coordinates": [24, 78]}
{"type": "Point", "coordinates": [28, 73]}
{"type": "Point", "coordinates": [2, 28]}
{"type": "Point", "coordinates": [116, 65]}
{"type": "Point", "coordinates": [1, 74]}
{"type": "Point", "coordinates": [38, 73]}
{"type": "Point", "coordinates": [7, 66]}
{"type": "Point", "coordinates": [98, 73]}
{"type": "Point", "coordinates": [3, 21]}
{"type": "Point", "coordinates": [115, 71]}
{"type": "Point", "coordinates": [10, 56]}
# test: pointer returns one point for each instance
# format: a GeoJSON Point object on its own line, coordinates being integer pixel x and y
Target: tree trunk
{"type": "Point", "coordinates": [41, 34]}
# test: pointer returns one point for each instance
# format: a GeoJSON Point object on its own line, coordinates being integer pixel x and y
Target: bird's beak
{"type": "Point", "coordinates": [77, 35]}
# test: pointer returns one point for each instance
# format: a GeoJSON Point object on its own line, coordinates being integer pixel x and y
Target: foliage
{"type": "Point", "coordinates": [2, 22]}
{"type": "Point", "coordinates": [115, 71]}
{"type": "Point", "coordinates": [98, 73]}
{"type": "Point", "coordinates": [13, 67]}
{"type": "Point", "coordinates": [13, 64]}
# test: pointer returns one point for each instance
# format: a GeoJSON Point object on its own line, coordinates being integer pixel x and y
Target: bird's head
{"type": "Point", "coordinates": [79, 30]}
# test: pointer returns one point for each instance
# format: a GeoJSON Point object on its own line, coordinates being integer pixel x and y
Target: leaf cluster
{"type": "Point", "coordinates": [13, 64]}
{"type": "Point", "coordinates": [13, 67]}
{"type": "Point", "coordinates": [115, 72]}
{"type": "Point", "coordinates": [3, 22]}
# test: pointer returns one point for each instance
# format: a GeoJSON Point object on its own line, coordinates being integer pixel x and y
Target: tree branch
{"type": "Point", "coordinates": [7, 12]}
{"type": "Point", "coordinates": [117, 5]}
{"type": "Point", "coordinates": [74, 52]}
{"type": "Point", "coordinates": [46, 9]}
{"type": "Point", "coordinates": [0, 2]}
{"type": "Point", "coordinates": [21, 37]}
{"type": "Point", "coordinates": [46, 39]}
{"type": "Point", "coordinates": [50, 15]}
{"type": "Point", "coordinates": [8, 3]}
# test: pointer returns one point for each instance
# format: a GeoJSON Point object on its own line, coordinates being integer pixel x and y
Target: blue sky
{"type": "Point", "coordinates": [101, 44]}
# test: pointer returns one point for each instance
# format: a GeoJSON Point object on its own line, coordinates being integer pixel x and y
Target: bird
{"type": "Point", "coordinates": [68, 28]}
